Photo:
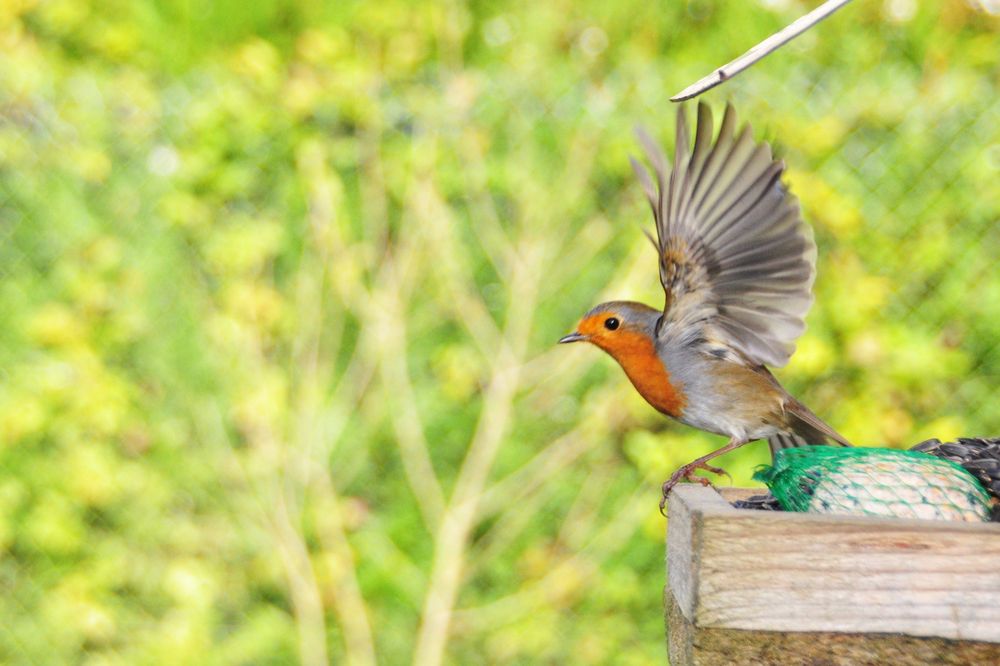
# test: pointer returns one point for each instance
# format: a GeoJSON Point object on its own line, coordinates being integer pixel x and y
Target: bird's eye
{"type": "Point", "coordinates": [612, 323]}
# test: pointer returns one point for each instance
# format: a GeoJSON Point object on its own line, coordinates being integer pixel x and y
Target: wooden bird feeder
{"type": "Point", "coordinates": [765, 587]}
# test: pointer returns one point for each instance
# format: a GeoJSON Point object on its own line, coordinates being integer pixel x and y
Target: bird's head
{"type": "Point", "coordinates": [616, 327]}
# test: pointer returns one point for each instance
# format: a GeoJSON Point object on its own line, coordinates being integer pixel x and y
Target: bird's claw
{"type": "Point", "coordinates": [687, 472]}
{"type": "Point", "coordinates": [718, 471]}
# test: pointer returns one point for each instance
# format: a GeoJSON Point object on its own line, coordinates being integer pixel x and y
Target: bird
{"type": "Point", "coordinates": [737, 263]}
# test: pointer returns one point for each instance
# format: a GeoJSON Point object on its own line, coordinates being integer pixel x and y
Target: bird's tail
{"type": "Point", "coordinates": [804, 429]}
{"type": "Point", "coordinates": [782, 441]}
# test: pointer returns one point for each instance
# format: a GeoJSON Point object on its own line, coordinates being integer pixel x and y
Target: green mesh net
{"type": "Point", "coordinates": [874, 482]}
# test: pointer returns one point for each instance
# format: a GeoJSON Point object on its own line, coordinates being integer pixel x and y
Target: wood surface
{"type": "Point", "coordinates": [798, 572]}
{"type": "Point", "coordinates": [693, 646]}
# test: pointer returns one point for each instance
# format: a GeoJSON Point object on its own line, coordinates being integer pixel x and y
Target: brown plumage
{"type": "Point", "coordinates": [737, 264]}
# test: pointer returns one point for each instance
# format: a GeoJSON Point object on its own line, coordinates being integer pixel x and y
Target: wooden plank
{"type": "Point", "coordinates": [774, 571]}
{"type": "Point", "coordinates": [683, 552]}
{"type": "Point", "coordinates": [688, 504]}
{"type": "Point", "coordinates": [733, 494]}
{"type": "Point", "coordinates": [689, 645]}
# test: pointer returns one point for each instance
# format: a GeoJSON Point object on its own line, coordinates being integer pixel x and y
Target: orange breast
{"type": "Point", "coordinates": [637, 356]}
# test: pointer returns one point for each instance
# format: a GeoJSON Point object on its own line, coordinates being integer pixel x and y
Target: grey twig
{"type": "Point", "coordinates": [772, 43]}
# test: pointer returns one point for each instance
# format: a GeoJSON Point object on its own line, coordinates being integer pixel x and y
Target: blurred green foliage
{"type": "Point", "coordinates": [280, 282]}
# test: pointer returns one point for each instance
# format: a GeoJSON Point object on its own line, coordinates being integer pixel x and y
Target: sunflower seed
{"type": "Point", "coordinates": [982, 465]}
{"type": "Point", "coordinates": [956, 450]}
{"type": "Point", "coordinates": [926, 445]}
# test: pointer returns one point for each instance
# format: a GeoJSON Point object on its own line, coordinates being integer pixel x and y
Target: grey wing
{"type": "Point", "coordinates": [737, 262]}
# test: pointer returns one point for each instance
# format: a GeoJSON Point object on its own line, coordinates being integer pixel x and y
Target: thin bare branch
{"type": "Point", "coordinates": [347, 599]}
{"type": "Point", "coordinates": [307, 475]}
{"type": "Point", "coordinates": [405, 416]}
{"type": "Point", "coordinates": [511, 524]}
{"type": "Point", "coordinates": [556, 456]}
{"type": "Point", "coordinates": [506, 363]}
{"type": "Point", "coordinates": [307, 602]}
{"type": "Point", "coordinates": [451, 539]}
{"type": "Point", "coordinates": [609, 540]}
{"type": "Point", "coordinates": [769, 45]}
{"type": "Point", "coordinates": [452, 266]}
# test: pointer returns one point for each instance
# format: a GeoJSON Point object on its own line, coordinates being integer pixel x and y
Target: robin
{"type": "Point", "coordinates": [737, 263]}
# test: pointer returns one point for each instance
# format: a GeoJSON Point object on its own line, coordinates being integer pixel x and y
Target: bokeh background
{"type": "Point", "coordinates": [280, 283]}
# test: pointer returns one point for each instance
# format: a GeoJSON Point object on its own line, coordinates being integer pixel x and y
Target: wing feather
{"type": "Point", "coordinates": [737, 261]}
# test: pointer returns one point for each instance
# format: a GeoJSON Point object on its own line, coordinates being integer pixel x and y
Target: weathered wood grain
{"type": "Point", "coordinates": [693, 646]}
{"type": "Point", "coordinates": [774, 571]}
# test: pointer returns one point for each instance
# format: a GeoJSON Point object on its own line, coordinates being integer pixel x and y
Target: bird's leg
{"type": "Point", "coordinates": [687, 471]}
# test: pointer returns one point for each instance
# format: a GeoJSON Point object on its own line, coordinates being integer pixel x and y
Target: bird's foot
{"type": "Point", "coordinates": [687, 472]}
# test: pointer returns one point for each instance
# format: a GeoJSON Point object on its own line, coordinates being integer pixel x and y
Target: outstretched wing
{"type": "Point", "coordinates": [737, 261]}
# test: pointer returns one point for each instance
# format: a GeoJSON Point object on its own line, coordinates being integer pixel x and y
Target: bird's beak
{"type": "Point", "coordinates": [572, 337]}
